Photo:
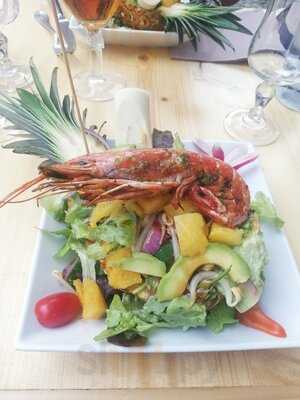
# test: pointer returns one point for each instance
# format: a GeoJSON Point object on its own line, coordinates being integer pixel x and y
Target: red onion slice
{"type": "Point", "coordinates": [232, 295]}
{"type": "Point", "coordinates": [238, 151]}
{"type": "Point", "coordinates": [175, 244]}
{"type": "Point", "coordinates": [199, 277]}
{"type": "Point", "coordinates": [244, 161]}
{"type": "Point", "coordinates": [144, 232]}
{"type": "Point", "coordinates": [218, 152]}
{"type": "Point", "coordinates": [153, 239]}
{"type": "Point", "coordinates": [68, 269]}
{"type": "Point", "coordinates": [251, 294]}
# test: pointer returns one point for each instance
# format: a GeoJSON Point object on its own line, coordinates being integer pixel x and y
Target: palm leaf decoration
{"type": "Point", "coordinates": [49, 126]}
{"type": "Point", "coordinates": [195, 17]}
{"type": "Point", "coordinates": [183, 17]}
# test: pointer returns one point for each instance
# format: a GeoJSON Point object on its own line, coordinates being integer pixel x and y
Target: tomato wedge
{"type": "Point", "coordinates": [257, 319]}
{"type": "Point", "coordinates": [57, 309]}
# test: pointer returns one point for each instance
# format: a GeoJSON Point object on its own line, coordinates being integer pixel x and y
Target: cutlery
{"type": "Point", "coordinates": [65, 24]}
{"type": "Point", "coordinates": [43, 19]}
{"type": "Point", "coordinates": [59, 10]}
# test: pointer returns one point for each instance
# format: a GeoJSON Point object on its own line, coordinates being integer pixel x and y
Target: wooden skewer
{"type": "Point", "coordinates": [68, 68]}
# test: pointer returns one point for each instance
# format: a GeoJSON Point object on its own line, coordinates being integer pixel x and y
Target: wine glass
{"type": "Point", "coordinates": [274, 61]}
{"type": "Point", "coordinates": [94, 15]}
{"type": "Point", "coordinates": [12, 76]}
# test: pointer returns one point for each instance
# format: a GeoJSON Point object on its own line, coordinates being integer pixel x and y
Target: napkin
{"type": "Point", "coordinates": [209, 51]}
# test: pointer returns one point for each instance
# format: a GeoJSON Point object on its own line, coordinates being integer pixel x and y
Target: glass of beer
{"type": "Point", "coordinates": [94, 84]}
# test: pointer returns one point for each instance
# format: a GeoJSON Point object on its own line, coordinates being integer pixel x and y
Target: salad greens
{"type": "Point", "coordinates": [165, 254]}
{"type": "Point", "coordinates": [55, 206]}
{"type": "Point", "coordinates": [119, 230]}
{"type": "Point", "coordinates": [178, 143]}
{"type": "Point", "coordinates": [178, 313]}
{"type": "Point", "coordinates": [76, 210]}
{"type": "Point", "coordinates": [84, 240]}
{"type": "Point", "coordinates": [253, 251]}
{"type": "Point", "coordinates": [266, 211]}
{"type": "Point", "coordinates": [220, 316]}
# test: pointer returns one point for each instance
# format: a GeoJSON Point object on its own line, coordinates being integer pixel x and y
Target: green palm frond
{"type": "Point", "coordinates": [49, 128]}
{"type": "Point", "coordinates": [194, 18]}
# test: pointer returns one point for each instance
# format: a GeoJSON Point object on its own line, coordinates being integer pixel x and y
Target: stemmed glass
{"type": "Point", "coordinates": [275, 61]}
{"type": "Point", "coordinates": [12, 76]}
{"type": "Point", "coordinates": [94, 15]}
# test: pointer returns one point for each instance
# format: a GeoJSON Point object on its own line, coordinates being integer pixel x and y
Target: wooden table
{"type": "Point", "coordinates": [195, 107]}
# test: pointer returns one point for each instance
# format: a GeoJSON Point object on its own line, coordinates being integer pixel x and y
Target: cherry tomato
{"type": "Point", "coordinates": [57, 309]}
{"type": "Point", "coordinates": [257, 319]}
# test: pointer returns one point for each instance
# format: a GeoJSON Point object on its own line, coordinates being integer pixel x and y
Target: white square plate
{"type": "Point", "coordinates": [281, 301]}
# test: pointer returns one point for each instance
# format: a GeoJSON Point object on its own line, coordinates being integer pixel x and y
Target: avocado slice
{"type": "Point", "coordinates": [144, 264]}
{"type": "Point", "coordinates": [226, 258]}
{"type": "Point", "coordinates": [174, 283]}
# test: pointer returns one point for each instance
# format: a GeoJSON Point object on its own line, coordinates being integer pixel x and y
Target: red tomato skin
{"type": "Point", "coordinates": [255, 318]}
{"type": "Point", "coordinates": [57, 309]}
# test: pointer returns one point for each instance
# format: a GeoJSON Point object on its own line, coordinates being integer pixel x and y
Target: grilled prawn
{"type": "Point", "coordinates": [214, 187]}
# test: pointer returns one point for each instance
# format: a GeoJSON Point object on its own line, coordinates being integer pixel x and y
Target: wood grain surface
{"type": "Point", "coordinates": [194, 103]}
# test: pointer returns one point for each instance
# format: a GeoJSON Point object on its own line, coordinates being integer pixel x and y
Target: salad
{"type": "Point", "coordinates": [145, 265]}
{"type": "Point", "coordinates": [159, 238]}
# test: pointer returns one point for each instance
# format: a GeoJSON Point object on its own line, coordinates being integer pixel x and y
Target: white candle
{"type": "Point", "coordinates": [132, 117]}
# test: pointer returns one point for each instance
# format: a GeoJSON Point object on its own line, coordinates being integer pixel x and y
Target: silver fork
{"type": "Point", "coordinates": [70, 43]}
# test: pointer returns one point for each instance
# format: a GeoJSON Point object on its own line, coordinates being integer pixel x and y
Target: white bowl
{"type": "Point", "coordinates": [129, 37]}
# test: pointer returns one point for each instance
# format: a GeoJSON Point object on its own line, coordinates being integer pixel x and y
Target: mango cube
{"type": "Point", "coordinates": [222, 234]}
{"type": "Point", "coordinates": [190, 232]}
{"type": "Point", "coordinates": [151, 205]}
{"type": "Point", "coordinates": [91, 298]}
{"type": "Point", "coordinates": [117, 277]}
{"type": "Point", "coordinates": [104, 210]}
{"type": "Point", "coordinates": [185, 207]}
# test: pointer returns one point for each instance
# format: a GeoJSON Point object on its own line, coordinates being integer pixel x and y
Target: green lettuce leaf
{"type": "Point", "coordinates": [131, 302]}
{"type": "Point", "coordinates": [220, 316]}
{"type": "Point", "coordinates": [82, 230]}
{"type": "Point", "coordinates": [253, 251]}
{"type": "Point", "coordinates": [55, 205]}
{"type": "Point", "coordinates": [120, 229]}
{"type": "Point", "coordinates": [178, 144]}
{"type": "Point", "coordinates": [76, 210]}
{"type": "Point", "coordinates": [182, 313]}
{"type": "Point", "coordinates": [118, 320]}
{"type": "Point", "coordinates": [142, 318]}
{"type": "Point", "coordinates": [165, 254]}
{"type": "Point", "coordinates": [266, 211]}
{"type": "Point", "coordinates": [95, 251]}
{"type": "Point", "coordinates": [66, 248]}
{"type": "Point", "coordinates": [87, 264]}
{"type": "Point", "coordinates": [64, 232]}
